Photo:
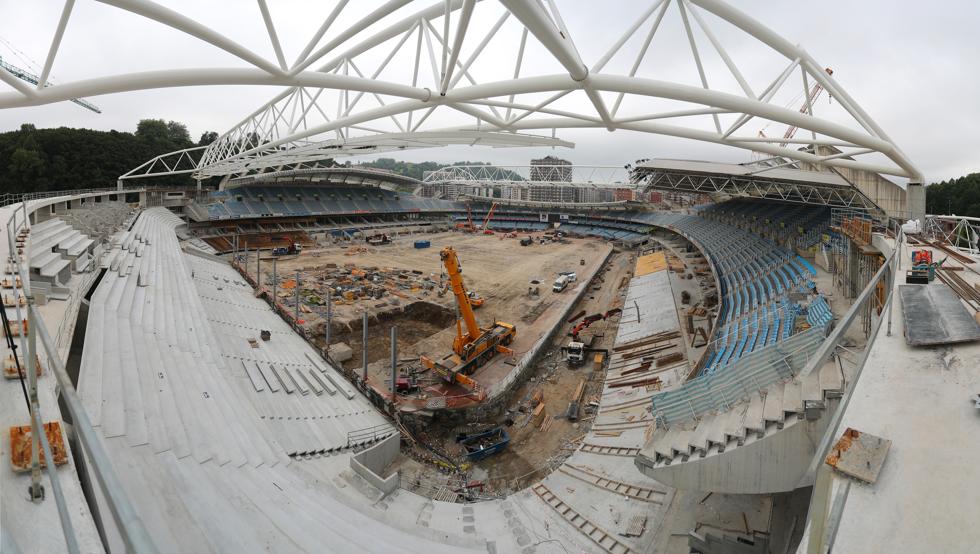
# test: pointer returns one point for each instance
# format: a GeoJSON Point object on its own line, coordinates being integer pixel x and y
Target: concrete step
{"type": "Point", "coordinates": [43, 258]}
{"type": "Point", "coordinates": [811, 387]}
{"type": "Point", "coordinates": [680, 445]}
{"type": "Point", "coordinates": [699, 439]}
{"type": "Point", "coordinates": [754, 420]}
{"type": "Point", "coordinates": [735, 423]}
{"type": "Point", "coordinates": [831, 380]}
{"type": "Point", "coordinates": [716, 433]}
{"type": "Point", "coordinates": [773, 409]}
{"type": "Point", "coordinates": [55, 268]}
{"type": "Point", "coordinates": [79, 247]}
{"type": "Point", "coordinates": [793, 397]}
{"type": "Point", "coordinates": [662, 442]}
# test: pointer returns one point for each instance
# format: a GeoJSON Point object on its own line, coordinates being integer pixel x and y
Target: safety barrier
{"type": "Point", "coordinates": [128, 523]}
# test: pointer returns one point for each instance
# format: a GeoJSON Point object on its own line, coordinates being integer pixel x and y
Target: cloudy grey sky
{"type": "Point", "coordinates": [911, 65]}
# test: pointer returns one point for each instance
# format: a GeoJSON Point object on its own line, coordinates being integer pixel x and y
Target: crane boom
{"type": "Point", "coordinates": [811, 97]}
{"type": "Point", "coordinates": [33, 79]}
{"type": "Point", "coordinates": [453, 269]}
{"type": "Point", "coordinates": [475, 347]}
{"type": "Point", "coordinates": [486, 222]}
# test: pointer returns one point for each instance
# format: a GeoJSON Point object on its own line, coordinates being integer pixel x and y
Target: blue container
{"type": "Point", "coordinates": [422, 244]}
{"type": "Point", "coordinates": [485, 444]}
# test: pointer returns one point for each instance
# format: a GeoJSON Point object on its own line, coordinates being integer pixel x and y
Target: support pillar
{"type": "Point", "coordinates": [275, 284]}
{"type": "Point", "coordinates": [364, 340]}
{"type": "Point", "coordinates": [915, 198]}
{"type": "Point", "coordinates": [258, 269]}
{"type": "Point", "coordinates": [326, 327]}
{"type": "Point", "coordinates": [37, 427]}
{"type": "Point", "coordinates": [297, 297]}
{"type": "Point", "coordinates": [394, 359]}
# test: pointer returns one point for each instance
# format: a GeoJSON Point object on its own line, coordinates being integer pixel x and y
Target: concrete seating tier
{"type": "Point", "coordinates": [763, 414]}
{"type": "Point", "coordinates": [52, 247]}
{"type": "Point", "coordinates": [161, 368]}
{"type": "Point", "coordinates": [269, 201]}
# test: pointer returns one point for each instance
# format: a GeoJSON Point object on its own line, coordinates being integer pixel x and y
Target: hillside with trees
{"type": "Point", "coordinates": [957, 196]}
{"type": "Point", "coordinates": [37, 160]}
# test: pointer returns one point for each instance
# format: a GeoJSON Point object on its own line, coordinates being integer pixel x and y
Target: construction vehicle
{"type": "Point", "coordinates": [378, 239]}
{"type": "Point", "coordinates": [527, 242]}
{"type": "Point", "coordinates": [467, 227]}
{"type": "Point", "coordinates": [293, 248]}
{"type": "Point", "coordinates": [923, 268]}
{"type": "Point", "coordinates": [486, 222]}
{"type": "Point", "coordinates": [475, 347]}
{"type": "Point", "coordinates": [475, 299]}
{"type": "Point", "coordinates": [561, 283]}
{"type": "Point", "coordinates": [582, 340]}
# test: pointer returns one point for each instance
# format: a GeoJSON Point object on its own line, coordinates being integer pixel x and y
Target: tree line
{"type": "Point", "coordinates": [959, 196]}
{"type": "Point", "coordinates": [38, 160]}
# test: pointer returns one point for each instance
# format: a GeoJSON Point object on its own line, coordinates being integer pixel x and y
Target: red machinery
{"type": "Point", "coordinates": [589, 320]}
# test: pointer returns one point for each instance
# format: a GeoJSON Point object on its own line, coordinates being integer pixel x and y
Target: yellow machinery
{"type": "Point", "coordinates": [477, 345]}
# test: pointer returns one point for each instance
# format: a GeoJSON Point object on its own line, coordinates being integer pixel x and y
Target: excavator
{"type": "Point", "coordinates": [477, 345]}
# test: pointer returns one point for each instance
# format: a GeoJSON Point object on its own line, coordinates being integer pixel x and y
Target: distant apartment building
{"type": "Point", "coordinates": [540, 193]}
{"type": "Point", "coordinates": [621, 194]}
{"type": "Point", "coordinates": [593, 195]}
{"type": "Point", "coordinates": [551, 168]}
{"type": "Point", "coordinates": [452, 191]}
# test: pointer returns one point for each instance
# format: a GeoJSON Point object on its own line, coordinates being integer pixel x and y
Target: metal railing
{"type": "Point", "coordinates": [749, 374]}
{"type": "Point", "coordinates": [7, 199]}
{"type": "Point", "coordinates": [370, 434]}
{"type": "Point", "coordinates": [128, 523]}
{"type": "Point", "coordinates": [866, 302]}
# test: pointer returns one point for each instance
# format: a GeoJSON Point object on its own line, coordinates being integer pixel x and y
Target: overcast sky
{"type": "Point", "coordinates": [911, 65]}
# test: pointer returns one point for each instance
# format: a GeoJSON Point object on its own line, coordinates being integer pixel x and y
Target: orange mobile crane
{"type": "Point", "coordinates": [477, 345]}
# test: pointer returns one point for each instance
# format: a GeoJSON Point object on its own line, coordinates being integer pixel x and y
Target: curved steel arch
{"type": "Point", "coordinates": [350, 98]}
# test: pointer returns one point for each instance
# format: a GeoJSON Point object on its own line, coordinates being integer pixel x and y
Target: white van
{"type": "Point", "coordinates": [560, 283]}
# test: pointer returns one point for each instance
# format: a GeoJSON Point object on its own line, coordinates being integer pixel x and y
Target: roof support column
{"type": "Point", "coordinates": [915, 201]}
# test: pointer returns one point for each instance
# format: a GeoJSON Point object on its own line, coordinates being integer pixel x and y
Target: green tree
{"type": "Point", "coordinates": [207, 137]}
{"type": "Point", "coordinates": [26, 166]}
{"type": "Point", "coordinates": [959, 196]}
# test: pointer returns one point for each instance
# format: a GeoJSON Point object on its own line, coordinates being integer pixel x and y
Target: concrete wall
{"type": "Point", "coordinates": [370, 464]}
{"type": "Point", "coordinates": [774, 463]}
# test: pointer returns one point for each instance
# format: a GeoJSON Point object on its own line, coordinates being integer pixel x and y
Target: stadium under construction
{"type": "Point", "coordinates": [297, 354]}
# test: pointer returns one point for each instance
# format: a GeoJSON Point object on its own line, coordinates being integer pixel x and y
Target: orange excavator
{"type": "Point", "coordinates": [475, 347]}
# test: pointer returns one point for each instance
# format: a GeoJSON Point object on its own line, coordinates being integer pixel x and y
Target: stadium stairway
{"type": "Point", "coordinates": [759, 445]}
{"type": "Point", "coordinates": [54, 245]}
